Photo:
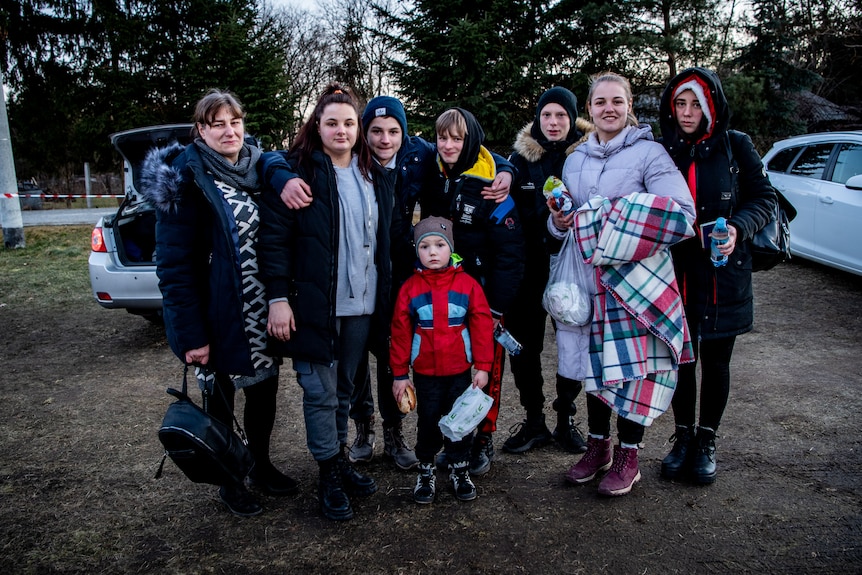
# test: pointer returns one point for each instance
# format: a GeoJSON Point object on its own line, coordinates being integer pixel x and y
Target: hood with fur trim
{"type": "Point", "coordinates": [531, 150]}
{"type": "Point", "coordinates": [162, 182]}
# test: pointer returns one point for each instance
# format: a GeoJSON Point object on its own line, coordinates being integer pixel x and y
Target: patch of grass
{"type": "Point", "coordinates": [52, 268]}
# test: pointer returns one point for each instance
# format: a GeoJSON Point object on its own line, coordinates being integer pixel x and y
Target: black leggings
{"type": "Point", "coordinates": [259, 415]}
{"type": "Point", "coordinates": [599, 422]}
{"type": "Point", "coordinates": [714, 356]}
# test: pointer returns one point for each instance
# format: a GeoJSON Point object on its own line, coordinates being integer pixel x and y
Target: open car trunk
{"type": "Point", "coordinates": [134, 224]}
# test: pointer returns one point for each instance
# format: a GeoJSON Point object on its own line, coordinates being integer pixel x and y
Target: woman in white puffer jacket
{"type": "Point", "coordinates": [618, 159]}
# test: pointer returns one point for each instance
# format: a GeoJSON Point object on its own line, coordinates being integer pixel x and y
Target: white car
{"type": "Point", "coordinates": [122, 257]}
{"type": "Point", "coordinates": [821, 175]}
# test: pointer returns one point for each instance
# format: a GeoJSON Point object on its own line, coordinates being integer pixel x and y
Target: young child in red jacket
{"type": "Point", "coordinates": [442, 326]}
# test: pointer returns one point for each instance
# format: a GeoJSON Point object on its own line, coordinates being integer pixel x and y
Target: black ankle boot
{"type": "Point", "coordinates": [703, 462]}
{"type": "Point", "coordinates": [568, 436]}
{"type": "Point", "coordinates": [334, 502]}
{"type": "Point", "coordinates": [674, 464]}
{"type": "Point", "coordinates": [357, 484]}
{"type": "Point", "coordinates": [240, 502]}
{"type": "Point", "coordinates": [530, 433]}
{"type": "Point", "coordinates": [266, 478]}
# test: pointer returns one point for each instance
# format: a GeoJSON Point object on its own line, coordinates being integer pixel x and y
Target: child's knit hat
{"type": "Point", "coordinates": [434, 226]}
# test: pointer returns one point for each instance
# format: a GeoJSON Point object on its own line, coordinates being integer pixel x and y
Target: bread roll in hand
{"type": "Point", "coordinates": [408, 400]}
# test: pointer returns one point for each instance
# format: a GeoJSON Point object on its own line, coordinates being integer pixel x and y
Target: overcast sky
{"type": "Point", "coordinates": [306, 4]}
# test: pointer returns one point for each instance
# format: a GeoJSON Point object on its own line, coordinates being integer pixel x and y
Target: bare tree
{"type": "Point", "coordinates": [363, 49]}
{"type": "Point", "coordinates": [309, 51]}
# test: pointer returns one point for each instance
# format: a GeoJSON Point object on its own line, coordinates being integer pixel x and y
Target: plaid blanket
{"type": "Point", "coordinates": [638, 335]}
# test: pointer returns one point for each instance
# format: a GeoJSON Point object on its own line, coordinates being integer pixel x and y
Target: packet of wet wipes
{"type": "Point", "coordinates": [467, 413]}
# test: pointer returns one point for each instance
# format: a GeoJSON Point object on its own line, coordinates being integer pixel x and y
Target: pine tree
{"type": "Point", "coordinates": [82, 70]}
{"type": "Point", "coordinates": [486, 56]}
{"type": "Point", "coordinates": [767, 61]}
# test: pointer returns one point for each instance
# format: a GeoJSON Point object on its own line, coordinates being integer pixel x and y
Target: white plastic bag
{"type": "Point", "coordinates": [566, 298]}
{"type": "Point", "coordinates": [467, 413]}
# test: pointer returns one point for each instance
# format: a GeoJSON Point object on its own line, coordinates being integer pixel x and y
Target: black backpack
{"type": "Point", "coordinates": [204, 448]}
{"type": "Point", "coordinates": [771, 244]}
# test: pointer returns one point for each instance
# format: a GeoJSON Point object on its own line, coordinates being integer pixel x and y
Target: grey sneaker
{"type": "Point", "coordinates": [395, 448]}
{"type": "Point", "coordinates": [362, 449]}
{"type": "Point", "coordinates": [482, 454]}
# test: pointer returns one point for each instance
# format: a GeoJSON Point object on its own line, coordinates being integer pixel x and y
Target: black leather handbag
{"type": "Point", "coordinates": [771, 244]}
{"type": "Point", "coordinates": [204, 448]}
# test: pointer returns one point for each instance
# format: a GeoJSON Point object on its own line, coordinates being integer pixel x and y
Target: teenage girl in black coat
{"type": "Point", "coordinates": [726, 178]}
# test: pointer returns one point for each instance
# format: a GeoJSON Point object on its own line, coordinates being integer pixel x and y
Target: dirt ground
{"type": "Point", "coordinates": [83, 393]}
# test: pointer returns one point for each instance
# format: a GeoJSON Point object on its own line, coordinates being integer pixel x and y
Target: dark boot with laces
{"type": "Point", "coordinates": [334, 502]}
{"type": "Point", "coordinates": [239, 500]}
{"type": "Point", "coordinates": [426, 484]}
{"type": "Point", "coordinates": [530, 433]}
{"type": "Point", "coordinates": [703, 466]}
{"type": "Point", "coordinates": [482, 454]}
{"type": "Point", "coordinates": [464, 488]}
{"type": "Point", "coordinates": [395, 448]}
{"type": "Point", "coordinates": [357, 484]}
{"type": "Point", "coordinates": [676, 463]}
{"type": "Point", "coordinates": [362, 449]}
{"type": "Point", "coordinates": [568, 436]}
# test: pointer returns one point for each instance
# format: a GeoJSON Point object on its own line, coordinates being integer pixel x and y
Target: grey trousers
{"type": "Point", "coordinates": [327, 389]}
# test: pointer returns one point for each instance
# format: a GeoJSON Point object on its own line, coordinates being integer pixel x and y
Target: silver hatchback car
{"type": "Point", "coordinates": [821, 175]}
{"type": "Point", "coordinates": [122, 257]}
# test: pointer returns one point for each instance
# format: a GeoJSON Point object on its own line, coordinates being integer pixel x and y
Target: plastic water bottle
{"type": "Point", "coordinates": [504, 338]}
{"type": "Point", "coordinates": [719, 237]}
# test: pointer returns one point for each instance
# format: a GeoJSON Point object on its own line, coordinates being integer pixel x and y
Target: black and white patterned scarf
{"type": "Point", "coordinates": [235, 182]}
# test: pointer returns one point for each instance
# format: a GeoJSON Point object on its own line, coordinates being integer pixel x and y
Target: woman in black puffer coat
{"type": "Point", "coordinates": [727, 179]}
{"type": "Point", "coordinates": [206, 257]}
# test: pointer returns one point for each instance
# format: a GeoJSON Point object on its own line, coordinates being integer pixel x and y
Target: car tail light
{"type": "Point", "coordinates": [104, 296]}
{"type": "Point", "coordinates": [97, 241]}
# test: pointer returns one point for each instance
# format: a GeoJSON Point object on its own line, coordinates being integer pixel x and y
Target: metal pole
{"type": "Point", "coordinates": [87, 184]}
{"type": "Point", "coordinates": [10, 208]}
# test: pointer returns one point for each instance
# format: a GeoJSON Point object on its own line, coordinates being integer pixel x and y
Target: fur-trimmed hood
{"type": "Point", "coordinates": [532, 151]}
{"type": "Point", "coordinates": [161, 181]}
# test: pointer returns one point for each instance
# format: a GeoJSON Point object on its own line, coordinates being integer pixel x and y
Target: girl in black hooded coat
{"type": "Point", "coordinates": [726, 178]}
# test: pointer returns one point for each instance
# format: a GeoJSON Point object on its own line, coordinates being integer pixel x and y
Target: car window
{"type": "Point", "coordinates": [848, 163]}
{"type": "Point", "coordinates": [812, 161]}
{"type": "Point", "coordinates": [781, 161]}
